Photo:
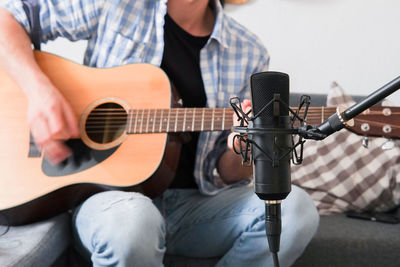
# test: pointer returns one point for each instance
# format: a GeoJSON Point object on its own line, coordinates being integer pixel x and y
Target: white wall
{"type": "Point", "coordinates": [353, 42]}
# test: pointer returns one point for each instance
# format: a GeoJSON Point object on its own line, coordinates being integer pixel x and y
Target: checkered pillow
{"type": "Point", "coordinates": [340, 174]}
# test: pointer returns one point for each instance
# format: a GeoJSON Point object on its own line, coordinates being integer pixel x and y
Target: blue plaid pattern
{"type": "Point", "coordinates": [121, 32]}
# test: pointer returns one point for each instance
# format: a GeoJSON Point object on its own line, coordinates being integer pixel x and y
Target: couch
{"type": "Point", "coordinates": [340, 241]}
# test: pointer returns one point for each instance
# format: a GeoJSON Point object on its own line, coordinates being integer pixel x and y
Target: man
{"type": "Point", "coordinates": [207, 211]}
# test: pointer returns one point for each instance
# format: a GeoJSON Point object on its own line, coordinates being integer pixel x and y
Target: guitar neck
{"type": "Point", "coordinates": [198, 119]}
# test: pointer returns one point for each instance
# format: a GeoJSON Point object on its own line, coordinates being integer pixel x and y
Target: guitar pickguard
{"type": "Point", "coordinates": [82, 158]}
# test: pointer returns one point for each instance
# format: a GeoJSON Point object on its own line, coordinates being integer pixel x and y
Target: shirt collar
{"type": "Point", "coordinates": [218, 33]}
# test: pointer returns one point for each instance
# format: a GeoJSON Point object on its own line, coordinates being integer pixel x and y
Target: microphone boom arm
{"type": "Point", "coordinates": [338, 121]}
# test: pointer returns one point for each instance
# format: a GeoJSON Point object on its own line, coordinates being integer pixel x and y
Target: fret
{"type": "Point", "coordinates": [154, 119]}
{"type": "Point", "coordinates": [176, 119]}
{"type": "Point", "coordinates": [202, 120]}
{"type": "Point", "coordinates": [136, 117]}
{"type": "Point", "coordinates": [184, 119]}
{"type": "Point", "coordinates": [194, 113]}
{"type": "Point", "coordinates": [169, 115]}
{"type": "Point", "coordinates": [141, 122]}
{"type": "Point", "coordinates": [161, 119]}
{"type": "Point", "coordinates": [147, 122]}
{"type": "Point", "coordinates": [212, 119]}
{"type": "Point", "coordinates": [223, 119]}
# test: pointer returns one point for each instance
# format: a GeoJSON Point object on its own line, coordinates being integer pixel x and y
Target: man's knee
{"type": "Point", "coordinates": [126, 226]}
{"type": "Point", "coordinates": [299, 214]}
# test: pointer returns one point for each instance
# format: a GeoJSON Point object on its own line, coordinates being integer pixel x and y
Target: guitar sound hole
{"type": "Point", "coordinates": [106, 123]}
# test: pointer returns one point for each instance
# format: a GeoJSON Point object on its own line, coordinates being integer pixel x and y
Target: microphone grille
{"type": "Point", "coordinates": [263, 87]}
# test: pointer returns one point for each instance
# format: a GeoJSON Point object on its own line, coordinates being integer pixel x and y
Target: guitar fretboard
{"type": "Point", "coordinates": [179, 120]}
{"type": "Point", "coordinates": [197, 119]}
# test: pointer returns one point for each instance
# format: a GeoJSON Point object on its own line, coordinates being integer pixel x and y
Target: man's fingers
{"type": "Point", "coordinates": [246, 107]}
{"type": "Point", "coordinates": [71, 121]}
{"type": "Point", "coordinates": [57, 125]}
{"type": "Point", "coordinates": [40, 131]}
{"type": "Point", "coordinates": [246, 103]}
{"type": "Point", "coordinates": [230, 140]}
{"type": "Point", "coordinates": [61, 124]}
{"type": "Point", "coordinates": [56, 151]}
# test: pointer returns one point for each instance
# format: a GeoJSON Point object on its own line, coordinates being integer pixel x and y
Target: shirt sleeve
{"type": "Point", "coordinates": [214, 156]}
{"type": "Point", "coordinates": [74, 20]}
{"type": "Point", "coordinates": [211, 162]}
{"type": "Point", "coordinates": [220, 145]}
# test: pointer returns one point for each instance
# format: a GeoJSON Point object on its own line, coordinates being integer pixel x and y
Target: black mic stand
{"type": "Point", "coordinates": [341, 118]}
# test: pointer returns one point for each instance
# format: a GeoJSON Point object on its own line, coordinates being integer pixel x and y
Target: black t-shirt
{"type": "Point", "coordinates": [181, 62]}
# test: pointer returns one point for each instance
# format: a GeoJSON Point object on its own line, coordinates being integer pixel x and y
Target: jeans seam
{"type": "Point", "coordinates": [240, 243]}
{"type": "Point", "coordinates": [228, 260]}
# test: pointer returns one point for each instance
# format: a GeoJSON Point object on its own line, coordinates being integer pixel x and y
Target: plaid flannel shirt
{"type": "Point", "coordinates": [121, 32]}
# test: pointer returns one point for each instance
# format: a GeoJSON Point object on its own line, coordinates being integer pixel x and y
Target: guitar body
{"type": "Point", "coordinates": [32, 189]}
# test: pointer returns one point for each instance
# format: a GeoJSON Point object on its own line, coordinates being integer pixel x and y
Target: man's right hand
{"type": "Point", "coordinates": [246, 106]}
{"type": "Point", "coordinates": [50, 117]}
{"type": "Point", "coordinates": [51, 120]}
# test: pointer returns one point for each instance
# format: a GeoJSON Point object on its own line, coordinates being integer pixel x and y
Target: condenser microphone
{"type": "Point", "coordinates": [272, 146]}
{"type": "Point", "coordinates": [271, 158]}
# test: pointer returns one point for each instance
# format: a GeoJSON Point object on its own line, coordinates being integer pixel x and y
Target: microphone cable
{"type": "Point", "coordinates": [273, 227]}
{"type": "Point", "coordinates": [276, 260]}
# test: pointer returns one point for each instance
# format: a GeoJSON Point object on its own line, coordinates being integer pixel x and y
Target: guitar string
{"type": "Point", "coordinates": [229, 112]}
{"type": "Point", "coordinates": [294, 108]}
{"type": "Point", "coordinates": [180, 116]}
{"type": "Point", "coordinates": [210, 128]}
{"type": "Point", "coordinates": [153, 111]}
{"type": "Point", "coordinates": [228, 108]}
{"type": "Point", "coordinates": [115, 126]}
{"type": "Point", "coordinates": [96, 119]}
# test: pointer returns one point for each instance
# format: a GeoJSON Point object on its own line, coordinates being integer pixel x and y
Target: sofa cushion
{"type": "Point", "coordinates": [342, 241]}
{"type": "Point", "coordinates": [37, 244]}
{"type": "Point", "coordinates": [340, 174]}
{"type": "Point", "coordinates": [179, 261]}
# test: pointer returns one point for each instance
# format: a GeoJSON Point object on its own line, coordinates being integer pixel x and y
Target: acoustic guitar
{"type": "Point", "coordinates": [129, 136]}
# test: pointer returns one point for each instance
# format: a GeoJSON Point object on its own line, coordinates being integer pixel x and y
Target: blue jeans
{"type": "Point", "coordinates": [128, 229]}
